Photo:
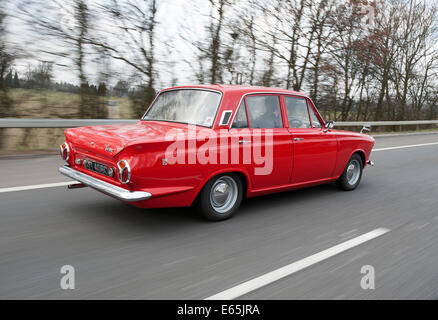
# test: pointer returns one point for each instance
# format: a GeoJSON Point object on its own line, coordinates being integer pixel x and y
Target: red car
{"type": "Point", "coordinates": [214, 145]}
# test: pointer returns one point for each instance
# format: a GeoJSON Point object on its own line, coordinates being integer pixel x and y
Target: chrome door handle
{"type": "Point", "coordinates": [298, 139]}
{"type": "Point", "coordinates": [244, 141]}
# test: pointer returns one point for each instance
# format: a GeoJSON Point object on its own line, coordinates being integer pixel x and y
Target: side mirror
{"type": "Point", "coordinates": [366, 128]}
{"type": "Point", "coordinates": [329, 125]}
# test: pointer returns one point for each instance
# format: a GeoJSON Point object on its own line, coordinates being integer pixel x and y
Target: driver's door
{"type": "Point", "coordinates": [314, 156]}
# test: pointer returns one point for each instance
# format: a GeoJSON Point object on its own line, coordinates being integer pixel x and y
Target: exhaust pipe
{"type": "Point", "coordinates": [76, 186]}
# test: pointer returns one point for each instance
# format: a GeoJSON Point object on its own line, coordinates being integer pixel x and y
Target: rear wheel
{"type": "Point", "coordinates": [221, 197]}
{"type": "Point", "coordinates": [350, 178]}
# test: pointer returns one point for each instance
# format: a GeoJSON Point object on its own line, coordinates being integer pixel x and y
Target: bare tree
{"type": "Point", "coordinates": [268, 76]}
{"type": "Point", "coordinates": [213, 49]}
{"type": "Point", "coordinates": [319, 17]}
{"type": "Point", "coordinates": [215, 30]}
{"type": "Point", "coordinates": [69, 29]}
{"type": "Point", "coordinates": [6, 60]}
{"type": "Point", "coordinates": [347, 30]}
{"type": "Point", "coordinates": [7, 57]}
{"type": "Point", "coordinates": [246, 28]}
{"type": "Point", "coordinates": [130, 37]}
{"type": "Point", "coordinates": [413, 35]}
{"type": "Point", "coordinates": [381, 49]}
{"type": "Point", "coordinates": [42, 74]}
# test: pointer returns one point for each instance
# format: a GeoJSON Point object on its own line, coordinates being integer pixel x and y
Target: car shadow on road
{"type": "Point", "coordinates": [124, 215]}
{"type": "Point", "coordinates": [252, 207]}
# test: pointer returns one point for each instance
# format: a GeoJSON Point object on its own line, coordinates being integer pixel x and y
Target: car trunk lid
{"type": "Point", "coordinates": [109, 140]}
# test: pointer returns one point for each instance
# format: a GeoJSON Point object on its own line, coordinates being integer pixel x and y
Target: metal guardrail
{"type": "Point", "coordinates": [70, 123]}
{"type": "Point", "coordinates": [384, 123]}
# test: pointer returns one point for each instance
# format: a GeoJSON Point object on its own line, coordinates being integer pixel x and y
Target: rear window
{"type": "Point", "coordinates": [193, 106]}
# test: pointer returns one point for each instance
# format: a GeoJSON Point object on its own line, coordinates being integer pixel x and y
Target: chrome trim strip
{"type": "Point", "coordinates": [104, 187]}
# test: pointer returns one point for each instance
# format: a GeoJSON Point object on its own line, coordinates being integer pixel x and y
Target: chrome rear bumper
{"type": "Point", "coordinates": [104, 187]}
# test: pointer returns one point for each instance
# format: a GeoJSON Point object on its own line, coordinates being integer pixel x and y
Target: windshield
{"type": "Point", "coordinates": [192, 106]}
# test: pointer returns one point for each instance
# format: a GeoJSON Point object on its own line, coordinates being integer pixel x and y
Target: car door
{"type": "Point", "coordinates": [314, 149]}
{"type": "Point", "coordinates": [259, 127]}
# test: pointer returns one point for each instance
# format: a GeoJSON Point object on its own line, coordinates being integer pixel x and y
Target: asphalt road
{"type": "Point", "coordinates": [123, 252]}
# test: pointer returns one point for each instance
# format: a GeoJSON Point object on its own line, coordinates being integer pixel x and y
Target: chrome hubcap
{"type": "Point", "coordinates": [223, 194]}
{"type": "Point", "coordinates": [353, 172]}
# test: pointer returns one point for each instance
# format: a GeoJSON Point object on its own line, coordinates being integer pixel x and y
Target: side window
{"type": "Point", "coordinates": [264, 111]}
{"type": "Point", "coordinates": [241, 120]}
{"type": "Point", "coordinates": [297, 112]}
{"type": "Point", "coordinates": [315, 121]}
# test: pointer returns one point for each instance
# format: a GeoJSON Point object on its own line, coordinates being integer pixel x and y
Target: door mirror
{"type": "Point", "coordinates": [366, 128]}
{"type": "Point", "coordinates": [329, 125]}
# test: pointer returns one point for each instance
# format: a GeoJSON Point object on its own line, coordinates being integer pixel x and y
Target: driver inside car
{"type": "Point", "coordinates": [298, 123]}
{"type": "Point", "coordinates": [299, 117]}
{"type": "Point", "coordinates": [271, 119]}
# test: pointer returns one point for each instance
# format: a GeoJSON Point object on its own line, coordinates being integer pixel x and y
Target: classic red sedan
{"type": "Point", "coordinates": [212, 146]}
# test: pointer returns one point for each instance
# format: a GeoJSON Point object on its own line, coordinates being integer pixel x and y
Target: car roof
{"type": "Point", "coordinates": [239, 89]}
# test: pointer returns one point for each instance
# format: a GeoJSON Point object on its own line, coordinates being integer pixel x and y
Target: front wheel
{"type": "Point", "coordinates": [221, 197]}
{"type": "Point", "coordinates": [350, 178]}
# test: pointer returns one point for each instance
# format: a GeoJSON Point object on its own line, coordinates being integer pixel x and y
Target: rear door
{"type": "Point", "coordinates": [259, 127]}
{"type": "Point", "coordinates": [314, 150]}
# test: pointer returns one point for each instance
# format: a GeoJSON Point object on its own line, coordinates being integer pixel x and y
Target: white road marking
{"type": "Point", "coordinates": [423, 225]}
{"type": "Point", "coordinates": [285, 271]}
{"type": "Point", "coordinates": [37, 186]}
{"type": "Point", "coordinates": [408, 146]}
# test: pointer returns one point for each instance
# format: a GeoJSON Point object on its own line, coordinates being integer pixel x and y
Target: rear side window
{"type": "Point", "coordinates": [297, 112]}
{"type": "Point", "coordinates": [241, 120]}
{"type": "Point", "coordinates": [264, 111]}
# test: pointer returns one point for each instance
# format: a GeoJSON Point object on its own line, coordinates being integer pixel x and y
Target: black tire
{"type": "Point", "coordinates": [205, 202]}
{"type": "Point", "coordinates": [348, 180]}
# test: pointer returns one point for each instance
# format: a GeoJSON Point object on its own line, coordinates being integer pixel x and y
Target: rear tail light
{"type": "Point", "coordinates": [124, 171]}
{"type": "Point", "coordinates": [65, 151]}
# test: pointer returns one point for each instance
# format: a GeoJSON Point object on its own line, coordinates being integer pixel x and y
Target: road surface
{"type": "Point", "coordinates": [121, 252]}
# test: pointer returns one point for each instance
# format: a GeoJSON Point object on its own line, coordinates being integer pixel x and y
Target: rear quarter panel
{"type": "Point", "coordinates": [174, 184]}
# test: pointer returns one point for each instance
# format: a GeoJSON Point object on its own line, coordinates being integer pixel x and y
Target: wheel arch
{"type": "Point", "coordinates": [243, 175]}
{"type": "Point", "coordinates": [347, 156]}
{"type": "Point", "coordinates": [362, 156]}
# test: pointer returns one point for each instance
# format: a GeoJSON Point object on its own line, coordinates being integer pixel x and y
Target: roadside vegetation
{"type": "Point", "coordinates": [30, 103]}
